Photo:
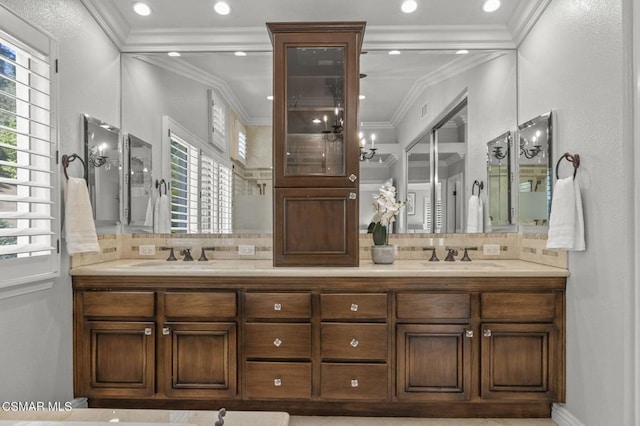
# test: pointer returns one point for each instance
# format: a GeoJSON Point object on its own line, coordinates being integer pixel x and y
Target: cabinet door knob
{"type": "Point", "coordinates": [468, 333]}
{"type": "Point", "coordinates": [277, 382]}
{"type": "Point", "coordinates": [166, 331]}
{"type": "Point", "coordinates": [147, 331]}
{"type": "Point", "coordinates": [277, 342]}
{"type": "Point", "coordinates": [353, 196]}
{"type": "Point", "coordinates": [354, 307]}
{"type": "Point", "coordinates": [354, 383]}
{"type": "Point", "coordinates": [486, 333]}
{"type": "Point", "coordinates": [353, 177]}
{"type": "Point", "coordinates": [354, 343]}
{"type": "Point", "coordinates": [277, 306]}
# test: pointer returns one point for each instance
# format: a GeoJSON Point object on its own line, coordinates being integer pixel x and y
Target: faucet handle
{"type": "Point", "coordinates": [433, 257]}
{"type": "Point", "coordinates": [186, 252]}
{"type": "Point", "coordinates": [465, 256]}
{"type": "Point", "coordinates": [171, 257]}
{"type": "Point", "coordinates": [451, 252]}
{"type": "Point", "coordinates": [203, 257]}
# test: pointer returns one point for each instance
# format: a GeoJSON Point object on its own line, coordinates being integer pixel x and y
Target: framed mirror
{"type": "Point", "coordinates": [139, 182]}
{"type": "Point", "coordinates": [499, 180]}
{"type": "Point", "coordinates": [535, 139]}
{"type": "Point", "coordinates": [102, 152]}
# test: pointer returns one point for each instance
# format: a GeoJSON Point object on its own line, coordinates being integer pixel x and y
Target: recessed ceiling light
{"type": "Point", "coordinates": [239, 53]}
{"type": "Point", "coordinates": [175, 54]}
{"type": "Point", "coordinates": [222, 8]}
{"type": "Point", "coordinates": [361, 97]}
{"type": "Point", "coordinates": [141, 8]}
{"type": "Point", "coordinates": [409, 6]}
{"type": "Point", "coordinates": [270, 97]}
{"type": "Point", "coordinates": [491, 5]}
{"type": "Point", "coordinates": [394, 52]}
{"type": "Point", "coordinates": [462, 52]}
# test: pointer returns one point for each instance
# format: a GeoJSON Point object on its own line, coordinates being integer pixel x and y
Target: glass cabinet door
{"type": "Point", "coordinates": [315, 111]}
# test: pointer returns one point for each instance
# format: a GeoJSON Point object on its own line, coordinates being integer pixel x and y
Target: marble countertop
{"type": "Point", "coordinates": [103, 416]}
{"type": "Point", "coordinates": [265, 268]}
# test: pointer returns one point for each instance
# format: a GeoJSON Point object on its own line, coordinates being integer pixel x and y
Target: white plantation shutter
{"type": "Point", "coordinates": [28, 179]}
{"type": "Point", "coordinates": [242, 145]}
{"type": "Point", "coordinates": [201, 185]}
{"type": "Point", "coordinates": [218, 121]}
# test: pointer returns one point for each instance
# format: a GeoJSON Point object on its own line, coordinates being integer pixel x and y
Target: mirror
{"type": "Point", "coordinates": [534, 170]}
{"type": "Point", "coordinates": [406, 96]}
{"type": "Point", "coordinates": [499, 181]}
{"type": "Point", "coordinates": [139, 182]}
{"type": "Point", "coordinates": [102, 153]}
{"type": "Point", "coordinates": [419, 208]}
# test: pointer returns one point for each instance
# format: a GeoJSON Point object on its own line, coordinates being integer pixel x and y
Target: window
{"type": "Point", "coordinates": [28, 201]}
{"type": "Point", "coordinates": [200, 186]}
{"type": "Point", "coordinates": [218, 124]}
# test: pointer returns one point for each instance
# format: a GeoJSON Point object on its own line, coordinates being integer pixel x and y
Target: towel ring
{"type": "Point", "coordinates": [66, 159]}
{"type": "Point", "coordinates": [159, 186]}
{"type": "Point", "coordinates": [573, 159]}
{"type": "Point", "coordinates": [480, 186]}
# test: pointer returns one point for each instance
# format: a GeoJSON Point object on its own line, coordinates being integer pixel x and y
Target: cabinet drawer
{"type": "Point", "coordinates": [118, 304]}
{"type": "Point", "coordinates": [278, 380]}
{"type": "Point", "coordinates": [199, 306]}
{"type": "Point", "coordinates": [518, 306]}
{"type": "Point", "coordinates": [278, 305]}
{"type": "Point", "coordinates": [433, 306]}
{"type": "Point", "coordinates": [354, 341]}
{"type": "Point", "coordinates": [353, 306]}
{"type": "Point", "coordinates": [271, 340]}
{"type": "Point", "coordinates": [354, 381]}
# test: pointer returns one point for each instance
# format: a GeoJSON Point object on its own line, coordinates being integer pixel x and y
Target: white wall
{"type": "Point", "coordinates": [573, 61]}
{"type": "Point", "coordinates": [36, 329]}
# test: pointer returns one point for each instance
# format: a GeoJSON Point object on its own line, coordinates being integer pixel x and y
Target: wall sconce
{"type": "Point", "coordinates": [367, 153]}
{"type": "Point", "coordinates": [530, 153]}
{"type": "Point", "coordinates": [498, 154]}
{"type": "Point", "coordinates": [96, 157]}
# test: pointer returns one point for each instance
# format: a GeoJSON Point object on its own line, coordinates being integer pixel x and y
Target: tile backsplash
{"type": "Point", "coordinates": [529, 247]}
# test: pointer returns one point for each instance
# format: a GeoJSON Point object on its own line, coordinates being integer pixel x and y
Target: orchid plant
{"type": "Point", "coordinates": [386, 209]}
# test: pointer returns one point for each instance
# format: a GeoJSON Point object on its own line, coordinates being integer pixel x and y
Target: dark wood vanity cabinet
{"type": "Point", "coordinates": [316, 76]}
{"type": "Point", "coordinates": [461, 347]}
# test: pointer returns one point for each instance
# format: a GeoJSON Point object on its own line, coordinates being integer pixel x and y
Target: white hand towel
{"type": "Point", "coordinates": [148, 219]}
{"type": "Point", "coordinates": [80, 230]}
{"type": "Point", "coordinates": [566, 222]}
{"type": "Point", "coordinates": [161, 215]}
{"type": "Point", "coordinates": [475, 215]}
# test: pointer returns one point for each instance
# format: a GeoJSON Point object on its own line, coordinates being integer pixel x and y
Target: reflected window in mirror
{"type": "Point", "coordinates": [535, 139]}
{"type": "Point", "coordinates": [499, 180]}
{"type": "Point", "coordinates": [139, 206]}
{"type": "Point", "coordinates": [200, 183]}
{"type": "Point", "coordinates": [103, 153]}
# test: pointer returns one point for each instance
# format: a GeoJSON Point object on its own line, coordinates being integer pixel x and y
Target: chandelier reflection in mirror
{"type": "Point", "coordinates": [498, 154]}
{"type": "Point", "coordinates": [367, 153]}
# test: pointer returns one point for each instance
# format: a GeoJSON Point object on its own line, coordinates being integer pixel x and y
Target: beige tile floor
{"type": "Point", "coordinates": [388, 421]}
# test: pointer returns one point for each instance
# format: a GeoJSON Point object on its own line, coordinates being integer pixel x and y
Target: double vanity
{"type": "Point", "coordinates": [416, 338]}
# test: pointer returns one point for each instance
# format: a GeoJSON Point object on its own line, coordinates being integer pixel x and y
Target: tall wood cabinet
{"type": "Point", "coordinates": [315, 142]}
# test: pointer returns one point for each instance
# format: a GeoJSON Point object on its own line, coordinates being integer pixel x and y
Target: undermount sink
{"type": "Point", "coordinates": [463, 265]}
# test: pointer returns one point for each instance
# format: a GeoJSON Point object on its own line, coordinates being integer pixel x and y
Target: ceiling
{"type": "Point", "coordinates": [193, 28]}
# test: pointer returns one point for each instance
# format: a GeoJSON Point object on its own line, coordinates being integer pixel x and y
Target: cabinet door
{"type": "Point", "coordinates": [118, 358]}
{"type": "Point", "coordinates": [200, 359]}
{"type": "Point", "coordinates": [433, 362]}
{"type": "Point", "coordinates": [315, 116]}
{"type": "Point", "coordinates": [316, 226]}
{"type": "Point", "coordinates": [517, 362]}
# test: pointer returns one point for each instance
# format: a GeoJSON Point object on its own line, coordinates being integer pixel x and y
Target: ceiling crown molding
{"type": "Point", "coordinates": [525, 17]}
{"type": "Point", "coordinates": [248, 39]}
{"type": "Point", "coordinates": [110, 20]}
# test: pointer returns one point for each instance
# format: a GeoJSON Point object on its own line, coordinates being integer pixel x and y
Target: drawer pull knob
{"type": "Point", "coordinates": [166, 331]}
{"type": "Point", "coordinates": [468, 333]}
{"type": "Point", "coordinates": [277, 306]}
{"type": "Point", "coordinates": [354, 307]}
{"type": "Point", "coordinates": [277, 382]}
{"type": "Point", "coordinates": [147, 331]}
{"type": "Point", "coordinates": [277, 342]}
{"type": "Point", "coordinates": [353, 177]}
{"type": "Point", "coordinates": [354, 383]}
{"type": "Point", "coordinates": [354, 343]}
{"type": "Point", "coordinates": [487, 333]}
